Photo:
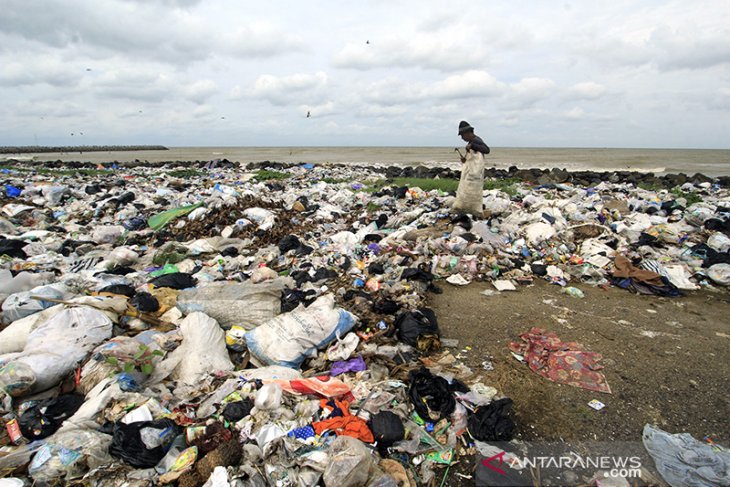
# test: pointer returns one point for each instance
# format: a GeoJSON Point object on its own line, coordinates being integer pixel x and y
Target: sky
{"type": "Point", "coordinates": [369, 73]}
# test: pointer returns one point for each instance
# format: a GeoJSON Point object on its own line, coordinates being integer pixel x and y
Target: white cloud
{"type": "Point", "coordinates": [297, 89]}
{"type": "Point", "coordinates": [587, 90]}
{"type": "Point", "coordinates": [199, 91]}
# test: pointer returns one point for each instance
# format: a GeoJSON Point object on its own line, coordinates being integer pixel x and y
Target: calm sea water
{"type": "Point", "coordinates": [689, 161]}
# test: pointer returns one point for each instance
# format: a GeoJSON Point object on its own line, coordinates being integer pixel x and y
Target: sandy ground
{"type": "Point", "coordinates": [666, 359]}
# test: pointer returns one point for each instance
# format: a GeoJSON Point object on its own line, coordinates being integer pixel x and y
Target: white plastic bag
{"type": "Point", "coordinates": [54, 348]}
{"type": "Point", "coordinates": [20, 305]}
{"type": "Point", "coordinates": [15, 336]}
{"type": "Point", "coordinates": [343, 348]}
{"type": "Point", "coordinates": [471, 185]}
{"type": "Point", "coordinates": [291, 337]}
{"type": "Point", "coordinates": [720, 274]}
{"type": "Point", "coordinates": [202, 351]}
{"type": "Point", "coordinates": [69, 454]}
{"type": "Point", "coordinates": [245, 304]}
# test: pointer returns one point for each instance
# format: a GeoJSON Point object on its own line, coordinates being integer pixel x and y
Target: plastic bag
{"type": "Point", "coordinates": [236, 411]}
{"type": "Point", "coordinates": [55, 347]}
{"type": "Point", "coordinates": [176, 280]}
{"type": "Point", "coordinates": [69, 454]}
{"type": "Point", "coordinates": [203, 350]}
{"type": "Point", "coordinates": [268, 397]}
{"type": "Point", "coordinates": [343, 348]}
{"type": "Point", "coordinates": [14, 337]}
{"type": "Point", "coordinates": [430, 395]}
{"type": "Point", "coordinates": [471, 185]}
{"type": "Point", "coordinates": [387, 429]}
{"type": "Point", "coordinates": [720, 274]}
{"type": "Point", "coordinates": [492, 422]}
{"type": "Point", "coordinates": [412, 325]}
{"type": "Point", "coordinates": [20, 305]}
{"type": "Point", "coordinates": [158, 221]}
{"type": "Point", "coordinates": [245, 304]}
{"type": "Point", "coordinates": [44, 419]}
{"type": "Point", "coordinates": [142, 444]}
{"type": "Point", "coordinates": [291, 337]}
{"type": "Point", "coordinates": [350, 463]}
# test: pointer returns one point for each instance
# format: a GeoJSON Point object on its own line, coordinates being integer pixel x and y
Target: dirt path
{"type": "Point", "coordinates": [667, 360]}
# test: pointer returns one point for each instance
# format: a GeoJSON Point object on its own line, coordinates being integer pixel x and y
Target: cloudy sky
{"type": "Point", "coordinates": [229, 72]}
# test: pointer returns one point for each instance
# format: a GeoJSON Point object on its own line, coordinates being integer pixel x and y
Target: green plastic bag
{"type": "Point", "coordinates": [167, 269]}
{"type": "Point", "coordinates": [158, 221]}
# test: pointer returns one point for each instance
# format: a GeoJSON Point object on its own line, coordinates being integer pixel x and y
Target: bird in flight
{"type": "Point", "coordinates": [309, 115]}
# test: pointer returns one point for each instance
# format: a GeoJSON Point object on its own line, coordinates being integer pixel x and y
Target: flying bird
{"type": "Point", "coordinates": [88, 69]}
{"type": "Point", "coordinates": [309, 115]}
{"type": "Point", "coordinates": [367, 42]}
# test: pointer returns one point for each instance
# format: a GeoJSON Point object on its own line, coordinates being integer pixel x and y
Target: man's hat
{"type": "Point", "coordinates": [465, 127]}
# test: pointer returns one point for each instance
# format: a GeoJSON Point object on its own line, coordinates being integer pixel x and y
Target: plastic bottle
{"type": "Point", "coordinates": [574, 292]}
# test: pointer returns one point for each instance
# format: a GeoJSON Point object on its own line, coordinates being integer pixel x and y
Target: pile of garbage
{"type": "Point", "coordinates": [225, 329]}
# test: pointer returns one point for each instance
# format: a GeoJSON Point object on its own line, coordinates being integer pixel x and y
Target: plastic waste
{"type": "Point", "coordinates": [43, 419]}
{"type": "Point", "coordinates": [54, 348]}
{"type": "Point", "coordinates": [69, 454]}
{"type": "Point", "coordinates": [573, 292]}
{"type": "Point", "coordinates": [350, 463]}
{"type": "Point", "coordinates": [158, 221]}
{"type": "Point", "coordinates": [20, 305]}
{"type": "Point", "coordinates": [469, 197]}
{"type": "Point", "coordinates": [412, 326]}
{"type": "Point", "coordinates": [202, 351]}
{"type": "Point", "coordinates": [143, 444]}
{"type": "Point", "coordinates": [720, 274]}
{"type": "Point", "coordinates": [268, 397]}
{"type": "Point", "coordinates": [291, 337]}
{"type": "Point", "coordinates": [244, 304]}
{"type": "Point", "coordinates": [492, 422]}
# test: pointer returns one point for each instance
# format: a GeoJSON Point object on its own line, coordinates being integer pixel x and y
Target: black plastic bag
{"type": "Point", "coordinates": [492, 422]}
{"type": "Point", "coordinates": [386, 307]}
{"type": "Point", "coordinates": [176, 280]}
{"type": "Point", "coordinates": [376, 268]}
{"type": "Point", "coordinates": [128, 441]}
{"type": "Point", "coordinates": [290, 298]}
{"type": "Point", "coordinates": [121, 289]}
{"type": "Point", "coordinates": [290, 242]}
{"type": "Point", "coordinates": [43, 419]}
{"type": "Point", "coordinates": [13, 248]}
{"type": "Point", "coordinates": [387, 429]}
{"type": "Point", "coordinates": [417, 275]}
{"type": "Point", "coordinates": [236, 411]}
{"type": "Point", "coordinates": [430, 395]}
{"type": "Point", "coordinates": [413, 324]}
{"type": "Point", "coordinates": [145, 302]}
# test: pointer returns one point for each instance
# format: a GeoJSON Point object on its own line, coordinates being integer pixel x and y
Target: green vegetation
{"type": "Point", "coordinates": [55, 172]}
{"type": "Point", "coordinates": [507, 185]}
{"type": "Point", "coordinates": [373, 207]}
{"type": "Point", "coordinates": [691, 198]}
{"type": "Point", "coordinates": [268, 175]}
{"type": "Point", "coordinates": [445, 185]}
{"type": "Point", "coordinates": [650, 186]}
{"type": "Point", "coordinates": [329, 180]}
{"type": "Point", "coordinates": [185, 173]}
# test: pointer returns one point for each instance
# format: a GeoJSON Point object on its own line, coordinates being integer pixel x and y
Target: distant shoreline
{"type": "Point", "coordinates": [37, 149]}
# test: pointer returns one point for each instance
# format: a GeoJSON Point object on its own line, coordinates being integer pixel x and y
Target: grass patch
{"type": "Point", "coordinates": [507, 185]}
{"type": "Point", "coordinates": [426, 184]}
{"type": "Point", "coordinates": [329, 180]}
{"type": "Point", "coordinates": [445, 185]}
{"type": "Point", "coordinates": [184, 173]}
{"type": "Point", "coordinates": [55, 172]}
{"type": "Point", "coordinates": [372, 207]}
{"type": "Point", "coordinates": [691, 198]}
{"type": "Point", "coordinates": [268, 175]}
{"type": "Point", "coordinates": [650, 186]}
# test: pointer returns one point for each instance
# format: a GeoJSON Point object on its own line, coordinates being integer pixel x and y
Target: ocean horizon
{"type": "Point", "coordinates": [711, 162]}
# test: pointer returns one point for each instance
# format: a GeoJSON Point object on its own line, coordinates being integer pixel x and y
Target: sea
{"type": "Point", "coordinates": [659, 161]}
